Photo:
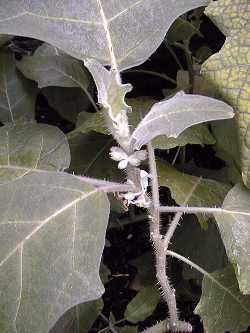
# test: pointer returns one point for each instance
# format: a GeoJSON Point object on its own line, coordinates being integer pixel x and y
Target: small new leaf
{"type": "Point", "coordinates": [173, 116]}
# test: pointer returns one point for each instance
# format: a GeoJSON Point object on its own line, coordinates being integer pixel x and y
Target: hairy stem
{"type": "Point", "coordinates": [159, 244]}
{"type": "Point", "coordinates": [176, 219]}
{"type": "Point", "coordinates": [106, 186]}
{"type": "Point", "coordinates": [190, 210]}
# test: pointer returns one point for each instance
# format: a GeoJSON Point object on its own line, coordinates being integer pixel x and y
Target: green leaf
{"type": "Point", "coordinates": [111, 93]}
{"type": "Point", "coordinates": [208, 193]}
{"type": "Point", "coordinates": [200, 245]}
{"type": "Point", "coordinates": [90, 156]}
{"type": "Point", "coordinates": [79, 319]}
{"type": "Point", "coordinates": [142, 305]}
{"type": "Point", "coordinates": [4, 39]}
{"type": "Point", "coordinates": [173, 116]}
{"type": "Point", "coordinates": [68, 102]}
{"type": "Point", "coordinates": [227, 147]}
{"type": "Point", "coordinates": [198, 134]}
{"type": "Point", "coordinates": [234, 226]}
{"type": "Point", "coordinates": [195, 135]}
{"type": "Point", "coordinates": [129, 329]}
{"type": "Point", "coordinates": [54, 69]}
{"type": "Point", "coordinates": [31, 146]}
{"type": "Point", "coordinates": [181, 30]}
{"type": "Point", "coordinates": [50, 252]}
{"type": "Point", "coordinates": [96, 29]}
{"type": "Point", "coordinates": [48, 67]}
{"type": "Point", "coordinates": [17, 95]}
{"type": "Point", "coordinates": [228, 70]}
{"type": "Point", "coordinates": [223, 309]}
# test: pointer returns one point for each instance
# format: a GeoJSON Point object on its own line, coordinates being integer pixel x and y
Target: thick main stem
{"type": "Point", "coordinates": [168, 293]}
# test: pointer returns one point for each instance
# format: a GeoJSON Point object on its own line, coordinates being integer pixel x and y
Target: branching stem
{"type": "Point", "coordinates": [160, 244]}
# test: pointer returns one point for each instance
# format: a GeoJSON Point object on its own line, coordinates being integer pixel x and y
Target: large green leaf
{"type": "Point", "coordinates": [223, 308]}
{"type": "Point", "coordinates": [208, 193]}
{"type": "Point", "coordinates": [49, 251]}
{"type": "Point", "coordinates": [131, 30]}
{"type": "Point", "coordinates": [228, 70]}
{"type": "Point", "coordinates": [52, 237]}
{"type": "Point", "coordinates": [172, 116]}
{"type": "Point", "coordinates": [17, 95]}
{"type": "Point", "coordinates": [234, 226]}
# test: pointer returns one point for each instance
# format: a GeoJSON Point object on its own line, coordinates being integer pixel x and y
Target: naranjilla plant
{"type": "Point", "coordinates": [54, 208]}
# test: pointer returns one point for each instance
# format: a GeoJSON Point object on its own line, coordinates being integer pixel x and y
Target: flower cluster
{"type": "Point", "coordinates": [140, 198]}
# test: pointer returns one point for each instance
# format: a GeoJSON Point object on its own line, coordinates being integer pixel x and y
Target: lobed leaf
{"type": "Point", "coordinates": [234, 226]}
{"type": "Point", "coordinates": [223, 308]}
{"type": "Point", "coordinates": [133, 30]}
{"type": "Point", "coordinates": [173, 116]}
{"type": "Point", "coordinates": [198, 134]}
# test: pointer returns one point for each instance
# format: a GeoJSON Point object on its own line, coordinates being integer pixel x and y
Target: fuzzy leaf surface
{"type": "Point", "coordinates": [90, 29]}
{"type": "Point", "coordinates": [228, 70]}
{"type": "Point", "coordinates": [223, 309]}
{"type": "Point", "coordinates": [234, 226]}
{"type": "Point", "coordinates": [197, 134]}
{"type": "Point", "coordinates": [79, 319]}
{"type": "Point", "coordinates": [90, 156]}
{"type": "Point", "coordinates": [208, 193]}
{"type": "Point", "coordinates": [31, 146]}
{"type": "Point", "coordinates": [173, 116]}
{"type": "Point", "coordinates": [50, 252]}
{"type": "Point", "coordinates": [50, 68]}
{"type": "Point", "coordinates": [17, 95]}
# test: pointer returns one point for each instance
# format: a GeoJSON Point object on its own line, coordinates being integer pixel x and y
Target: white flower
{"type": "Point", "coordinates": [145, 176]}
{"type": "Point", "coordinates": [140, 198]}
{"type": "Point", "coordinates": [118, 154]}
